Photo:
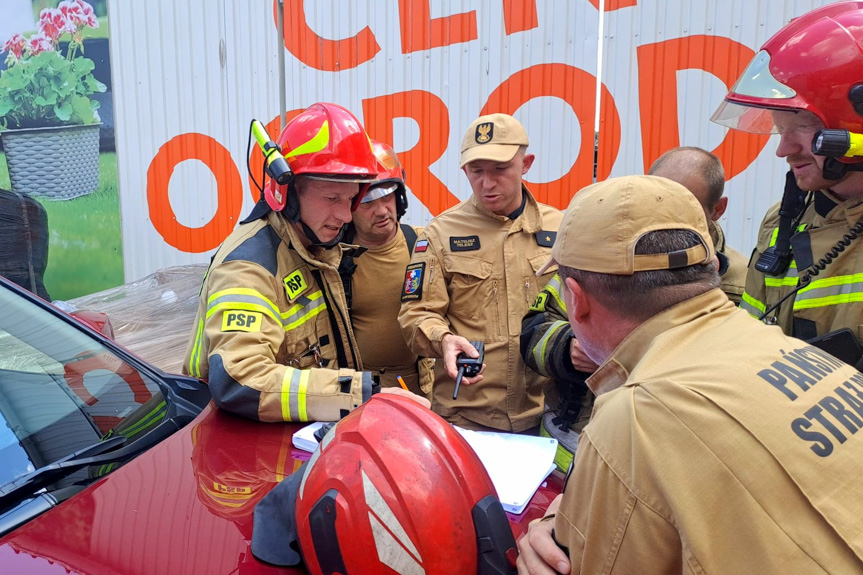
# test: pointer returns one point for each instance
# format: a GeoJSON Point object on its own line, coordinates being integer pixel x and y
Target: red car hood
{"type": "Point", "coordinates": [184, 506]}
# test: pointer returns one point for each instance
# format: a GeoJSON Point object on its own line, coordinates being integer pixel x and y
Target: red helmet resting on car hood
{"type": "Point", "coordinates": [392, 488]}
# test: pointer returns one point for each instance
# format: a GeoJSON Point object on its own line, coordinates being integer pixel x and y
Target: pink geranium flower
{"type": "Point", "coordinates": [38, 44]}
{"type": "Point", "coordinates": [79, 13]}
{"type": "Point", "coordinates": [89, 16]}
{"type": "Point", "coordinates": [53, 24]}
{"type": "Point", "coordinates": [15, 45]}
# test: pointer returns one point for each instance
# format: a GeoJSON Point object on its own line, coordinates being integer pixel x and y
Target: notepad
{"type": "Point", "coordinates": [517, 464]}
{"type": "Point", "coordinates": [304, 438]}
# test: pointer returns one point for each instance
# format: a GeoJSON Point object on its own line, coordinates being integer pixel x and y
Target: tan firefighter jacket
{"type": "Point", "coordinates": [473, 274]}
{"type": "Point", "coordinates": [272, 335]}
{"type": "Point", "coordinates": [723, 446]}
{"type": "Point", "coordinates": [833, 299]}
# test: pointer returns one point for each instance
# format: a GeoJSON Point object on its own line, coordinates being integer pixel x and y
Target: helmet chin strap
{"type": "Point", "coordinates": [317, 242]}
{"type": "Point", "coordinates": [835, 170]}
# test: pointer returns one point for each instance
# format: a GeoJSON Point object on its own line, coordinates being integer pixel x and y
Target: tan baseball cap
{"type": "Point", "coordinates": [604, 221]}
{"type": "Point", "coordinates": [494, 137]}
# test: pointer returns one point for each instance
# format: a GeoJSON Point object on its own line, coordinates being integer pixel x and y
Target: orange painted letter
{"type": "Point", "coordinates": [658, 65]}
{"type": "Point", "coordinates": [519, 16]}
{"type": "Point", "coordinates": [422, 32]}
{"type": "Point", "coordinates": [321, 53]}
{"type": "Point", "coordinates": [228, 184]}
{"type": "Point", "coordinates": [432, 117]}
{"type": "Point", "coordinates": [578, 89]}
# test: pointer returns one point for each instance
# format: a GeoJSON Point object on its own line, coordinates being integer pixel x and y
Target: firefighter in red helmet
{"type": "Point", "coordinates": [806, 84]}
{"type": "Point", "coordinates": [272, 335]}
{"type": "Point", "coordinates": [374, 279]}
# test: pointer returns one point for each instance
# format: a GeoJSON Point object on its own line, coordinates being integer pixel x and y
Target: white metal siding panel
{"type": "Point", "coordinates": [169, 81]}
{"type": "Point", "coordinates": [209, 68]}
{"type": "Point", "coordinates": [748, 22]}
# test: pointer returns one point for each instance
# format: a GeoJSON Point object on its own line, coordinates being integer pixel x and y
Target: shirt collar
{"type": "Point", "coordinates": [530, 219]}
{"type": "Point", "coordinates": [614, 372]}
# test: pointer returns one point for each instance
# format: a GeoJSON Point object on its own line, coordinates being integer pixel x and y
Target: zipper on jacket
{"type": "Point", "coordinates": [496, 307]}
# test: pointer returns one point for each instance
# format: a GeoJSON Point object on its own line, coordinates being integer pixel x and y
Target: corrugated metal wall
{"type": "Point", "coordinates": [188, 78]}
{"type": "Point", "coordinates": [664, 63]}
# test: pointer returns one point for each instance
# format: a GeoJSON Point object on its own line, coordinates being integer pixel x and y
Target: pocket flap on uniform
{"type": "Point", "coordinates": [467, 265]}
{"type": "Point", "coordinates": [537, 261]}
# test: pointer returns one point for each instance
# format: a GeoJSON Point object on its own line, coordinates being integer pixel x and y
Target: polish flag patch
{"type": "Point", "coordinates": [421, 246]}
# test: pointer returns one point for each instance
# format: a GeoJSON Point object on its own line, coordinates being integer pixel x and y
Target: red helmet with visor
{"type": "Point", "coordinates": [815, 63]}
{"type": "Point", "coordinates": [325, 142]}
{"type": "Point", "coordinates": [391, 179]}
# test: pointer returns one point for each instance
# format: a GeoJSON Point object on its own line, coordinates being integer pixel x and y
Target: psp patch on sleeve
{"type": "Point", "coordinates": [236, 320]}
{"type": "Point", "coordinates": [539, 303]}
{"type": "Point", "coordinates": [413, 288]}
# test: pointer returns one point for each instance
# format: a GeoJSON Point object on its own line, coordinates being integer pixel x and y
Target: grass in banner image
{"type": "Point", "coordinates": [60, 233]}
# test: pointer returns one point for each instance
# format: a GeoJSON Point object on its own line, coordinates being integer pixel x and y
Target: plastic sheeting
{"type": "Point", "coordinates": [153, 316]}
{"type": "Point", "coordinates": [23, 241]}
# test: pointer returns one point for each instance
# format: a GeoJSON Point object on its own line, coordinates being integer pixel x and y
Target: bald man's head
{"type": "Point", "coordinates": [697, 170]}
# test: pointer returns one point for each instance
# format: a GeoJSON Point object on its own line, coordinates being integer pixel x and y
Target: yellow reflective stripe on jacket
{"type": "Point", "coordinates": [242, 299]}
{"type": "Point", "coordinates": [195, 359]}
{"type": "Point", "coordinates": [294, 385]}
{"type": "Point", "coordinates": [834, 290]}
{"type": "Point", "coordinates": [305, 309]}
{"type": "Point", "coordinates": [790, 279]}
{"type": "Point", "coordinates": [775, 234]}
{"type": "Point", "coordinates": [539, 355]}
{"type": "Point", "coordinates": [751, 305]}
{"type": "Point", "coordinates": [553, 287]}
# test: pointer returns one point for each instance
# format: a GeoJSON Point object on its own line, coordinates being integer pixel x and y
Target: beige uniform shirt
{"type": "Point", "coordinates": [834, 298]}
{"type": "Point", "coordinates": [377, 283]}
{"type": "Point", "coordinates": [473, 274]}
{"type": "Point", "coordinates": [734, 277]}
{"type": "Point", "coordinates": [728, 448]}
{"type": "Point", "coordinates": [272, 335]}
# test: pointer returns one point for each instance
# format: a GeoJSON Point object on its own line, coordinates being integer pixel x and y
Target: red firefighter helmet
{"type": "Point", "coordinates": [814, 63]}
{"type": "Point", "coordinates": [393, 488]}
{"type": "Point", "coordinates": [390, 179]}
{"type": "Point", "coordinates": [326, 142]}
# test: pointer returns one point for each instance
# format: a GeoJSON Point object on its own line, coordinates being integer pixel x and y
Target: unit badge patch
{"type": "Point", "coordinates": [413, 288]}
{"type": "Point", "coordinates": [421, 246]}
{"type": "Point", "coordinates": [295, 284]}
{"type": "Point", "coordinates": [545, 239]}
{"type": "Point", "coordinates": [484, 133]}
{"type": "Point", "coordinates": [464, 243]}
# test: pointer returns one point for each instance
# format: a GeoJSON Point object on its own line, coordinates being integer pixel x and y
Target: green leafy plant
{"type": "Point", "coordinates": [41, 86]}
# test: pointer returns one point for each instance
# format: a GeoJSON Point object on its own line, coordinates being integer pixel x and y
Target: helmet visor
{"type": "Point", "coordinates": [756, 93]}
{"type": "Point", "coordinates": [378, 191]}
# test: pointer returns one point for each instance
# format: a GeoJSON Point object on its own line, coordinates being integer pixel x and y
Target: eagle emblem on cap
{"type": "Point", "coordinates": [484, 132]}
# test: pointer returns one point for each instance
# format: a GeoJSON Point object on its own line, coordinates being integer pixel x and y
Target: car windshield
{"type": "Point", "coordinates": [61, 390]}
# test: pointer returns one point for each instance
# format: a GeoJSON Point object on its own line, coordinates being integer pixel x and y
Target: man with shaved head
{"type": "Point", "coordinates": [702, 173]}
